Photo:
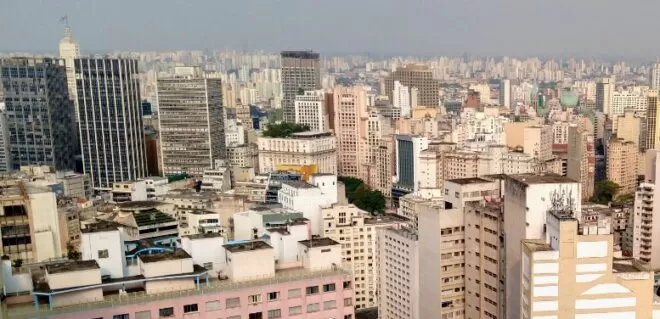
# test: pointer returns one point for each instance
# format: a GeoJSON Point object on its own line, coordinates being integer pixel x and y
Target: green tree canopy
{"type": "Point", "coordinates": [605, 191]}
{"type": "Point", "coordinates": [360, 195]}
{"type": "Point", "coordinates": [284, 129]}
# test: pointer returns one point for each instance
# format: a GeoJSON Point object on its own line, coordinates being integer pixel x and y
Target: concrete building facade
{"type": "Point", "coordinates": [307, 148]}
{"type": "Point", "coordinates": [301, 71]}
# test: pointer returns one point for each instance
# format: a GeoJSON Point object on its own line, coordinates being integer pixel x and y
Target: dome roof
{"type": "Point", "coordinates": [567, 98]}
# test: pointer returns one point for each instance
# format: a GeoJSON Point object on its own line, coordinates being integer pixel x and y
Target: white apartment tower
{"type": "Point", "coordinates": [605, 95]}
{"type": "Point", "coordinates": [505, 93]}
{"type": "Point", "coordinates": [401, 95]}
{"type": "Point", "coordinates": [311, 111]}
{"type": "Point", "coordinates": [654, 78]}
{"type": "Point", "coordinates": [70, 50]}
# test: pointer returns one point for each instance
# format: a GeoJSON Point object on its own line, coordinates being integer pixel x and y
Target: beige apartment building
{"type": "Point", "coordinates": [652, 123]}
{"type": "Point", "coordinates": [415, 76]}
{"type": "Point", "coordinates": [642, 222]}
{"type": "Point", "coordinates": [622, 164]}
{"type": "Point", "coordinates": [537, 142]}
{"type": "Point", "coordinates": [581, 161]}
{"type": "Point", "coordinates": [350, 118]}
{"type": "Point", "coordinates": [356, 231]}
{"type": "Point", "coordinates": [628, 127]}
{"type": "Point", "coordinates": [572, 275]}
{"type": "Point", "coordinates": [305, 148]}
{"type": "Point", "coordinates": [384, 167]}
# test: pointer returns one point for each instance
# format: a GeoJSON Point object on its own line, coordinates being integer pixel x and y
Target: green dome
{"type": "Point", "coordinates": [568, 99]}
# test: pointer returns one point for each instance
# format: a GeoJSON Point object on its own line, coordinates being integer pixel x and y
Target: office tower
{"type": "Point", "coordinates": [568, 274]}
{"type": "Point", "coordinates": [350, 126]}
{"type": "Point", "coordinates": [39, 114]}
{"type": "Point", "coordinates": [622, 165]}
{"type": "Point", "coordinates": [415, 76]}
{"type": "Point", "coordinates": [629, 127]}
{"type": "Point", "coordinates": [70, 50]}
{"type": "Point", "coordinates": [605, 95]}
{"type": "Point", "coordinates": [581, 161]}
{"type": "Point", "coordinates": [385, 153]}
{"type": "Point", "coordinates": [408, 166]}
{"type": "Point", "coordinates": [538, 142]}
{"type": "Point", "coordinates": [305, 148]}
{"type": "Point", "coordinates": [111, 131]}
{"type": "Point", "coordinates": [310, 110]}
{"type": "Point", "coordinates": [398, 273]}
{"type": "Point", "coordinates": [505, 93]}
{"type": "Point", "coordinates": [191, 123]}
{"type": "Point", "coordinates": [442, 262]}
{"type": "Point", "coordinates": [527, 198]}
{"type": "Point", "coordinates": [359, 250]}
{"type": "Point", "coordinates": [401, 99]}
{"type": "Point", "coordinates": [301, 71]}
{"type": "Point", "coordinates": [654, 78]}
{"type": "Point", "coordinates": [5, 146]}
{"type": "Point", "coordinates": [484, 291]}
{"type": "Point", "coordinates": [652, 123]}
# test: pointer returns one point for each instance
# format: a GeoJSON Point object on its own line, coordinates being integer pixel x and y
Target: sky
{"type": "Point", "coordinates": [584, 28]}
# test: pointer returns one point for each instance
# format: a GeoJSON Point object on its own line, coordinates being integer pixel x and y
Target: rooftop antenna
{"type": "Point", "coordinates": [67, 28]}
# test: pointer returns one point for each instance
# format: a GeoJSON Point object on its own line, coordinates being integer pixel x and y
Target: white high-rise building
{"type": "Point", "coordinates": [655, 77]}
{"type": "Point", "coordinates": [401, 98]}
{"type": "Point", "coordinates": [310, 110]}
{"type": "Point", "coordinates": [605, 95]}
{"type": "Point", "coordinates": [69, 50]}
{"type": "Point", "coordinates": [505, 93]}
{"type": "Point", "coordinates": [398, 273]}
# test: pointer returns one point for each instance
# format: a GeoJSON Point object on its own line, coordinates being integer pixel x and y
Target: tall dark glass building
{"type": "Point", "coordinates": [110, 128]}
{"type": "Point", "coordinates": [301, 72]}
{"type": "Point", "coordinates": [38, 113]}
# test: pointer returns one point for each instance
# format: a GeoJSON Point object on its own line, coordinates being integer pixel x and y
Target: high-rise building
{"type": "Point", "coordinates": [415, 76]}
{"type": "Point", "coordinates": [505, 93]}
{"type": "Point", "coordinates": [310, 110]}
{"type": "Point", "coordinates": [111, 131]}
{"type": "Point", "coordinates": [622, 165]}
{"type": "Point", "coordinates": [191, 123]}
{"type": "Point", "coordinates": [629, 127]}
{"type": "Point", "coordinates": [401, 98]}
{"type": "Point", "coordinates": [350, 125]}
{"type": "Point", "coordinates": [527, 198]}
{"type": "Point", "coordinates": [643, 221]}
{"type": "Point", "coordinates": [652, 123]}
{"type": "Point", "coordinates": [605, 95]}
{"type": "Point", "coordinates": [39, 114]}
{"type": "Point", "coordinates": [70, 50]}
{"type": "Point", "coordinates": [398, 273]}
{"type": "Point", "coordinates": [300, 72]}
{"type": "Point", "coordinates": [538, 142]}
{"type": "Point", "coordinates": [581, 160]}
{"type": "Point", "coordinates": [408, 155]}
{"type": "Point", "coordinates": [569, 274]}
{"type": "Point", "coordinates": [654, 78]}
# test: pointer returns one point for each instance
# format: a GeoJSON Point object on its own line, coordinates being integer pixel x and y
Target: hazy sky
{"type": "Point", "coordinates": [628, 28]}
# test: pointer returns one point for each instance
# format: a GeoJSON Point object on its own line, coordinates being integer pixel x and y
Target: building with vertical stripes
{"type": "Point", "coordinates": [301, 72]}
{"type": "Point", "coordinates": [110, 128]}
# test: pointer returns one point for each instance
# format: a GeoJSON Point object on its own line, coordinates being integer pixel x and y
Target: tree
{"type": "Point", "coordinates": [284, 129]}
{"type": "Point", "coordinates": [71, 252]}
{"type": "Point", "coordinates": [360, 195]}
{"type": "Point", "coordinates": [605, 191]}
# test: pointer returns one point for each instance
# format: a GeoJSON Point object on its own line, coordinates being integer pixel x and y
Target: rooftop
{"type": "Point", "coordinates": [536, 245]}
{"type": "Point", "coordinates": [100, 226]}
{"type": "Point", "coordinates": [152, 217]}
{"type": "Point", "coordinates": [319, 242]}
{"type": "Point", "coordinates": [384, 219]}
{"type": "Point", "coordinates": [469, 180]}
{"type": "Point", "coordinates": [298, 184]}
{"type": "Point", "coordinates": [311, 134]}
{"type": "Point", "coordinates": [74, 265]}
{"type": "Point", "coordinates": [204, 235]}
{"type": "Point", "coordinates": [544, 178]}
{"type": "Point", "coordinates": [247, 246]}
{"type": "Point", "coordinates": [405, 232]}
{"type": "Point", "coordinates": [138, 204]}
{"type": "Point", "coordinates": [177, 254]}
{"type": "Point", "coordinates": [628, 265]}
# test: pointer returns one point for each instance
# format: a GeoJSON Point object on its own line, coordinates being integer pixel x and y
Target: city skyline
{"type": "Point", "coordinates": [476, 28]}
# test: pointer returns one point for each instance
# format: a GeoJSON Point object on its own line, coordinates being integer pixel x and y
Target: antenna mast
{"type": "Point", "coordinates": [67, 28]}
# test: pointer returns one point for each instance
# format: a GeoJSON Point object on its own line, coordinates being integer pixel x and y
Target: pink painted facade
{"type": "Point", "coordinates": [336, 302]}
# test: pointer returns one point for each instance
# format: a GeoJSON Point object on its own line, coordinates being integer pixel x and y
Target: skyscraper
{"type": "Point", "coordinates": [39, 114]}
{"type": "Point", "coordinates": [300, 72]}
{"type": "Point", "coordinates": [605, 95]}
{"type": "Point", "coordinates": [622, 164]}
{"type": "Point", "coordinates": [110, 127]}
{"type": "Point", "coordinates": [652, 123]}
{"type": "Point", "coordinates": [401, 99]}
{"type": "Point", "coordinates": [415, 76]}
{"type": "Point", "coordinates": [505, 93]}
{"type": "Point", "coordinates": [310, 110]}
{"type": "Point", "coordinates": [654, 77]}
{"type": "Point", "coordinates": [69, 50]}
{"type": "Point", "coordinates": [191, 122]}
{"type": "Point", "coordinates": [350, 125]}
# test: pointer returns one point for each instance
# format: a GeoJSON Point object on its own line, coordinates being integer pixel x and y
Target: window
{"type": "Point", "coordinates": [348, 302]}
{"type": "Point", "coordinates": [328, 287]}
{"type": "Point", "coordinates": [312, 290]}
{"type": "Point", "coordinates": [166, 312]}
{"type": "Point", "coordinates": [273, 296]}
{"type": "Point", "coordinates": [103, 254]}
{"type": "Point", "coordinates": [255, 315]}
{"type": "Point", "coordinates": [212, 305]}
{"type": "Point", "coordinates": [294, 293]}
{"type": "Point", "coordinates": [190, 308]}
{"type": "Point", "coordinates": [348, 316]}
{"type": "Point", "coordinates": [347, 284]}
{"type": "Point", "coordinates": [122, 316]}
{"type": "Point", "coordinates": [295, 310]}
{"type": "Point", "coordinates": [277, 313]}
{"type": "Point", "coordinates": [330, 304]}
{"type": "Point", "coordinates": [313, 307]}
{"type": "Point", "coordinates": [208, 266]}
{"type": "Point", "coordinates": [254, 299]}
{"type": "Point", "coordinates": [233, 302]}
{"type": "Point", "coordinates": [143, 314]}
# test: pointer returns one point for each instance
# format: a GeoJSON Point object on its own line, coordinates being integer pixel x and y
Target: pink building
{"type": "Point", "coordinates": [251, 286]}
{"type": "Point", "coordinates": [350, 126]}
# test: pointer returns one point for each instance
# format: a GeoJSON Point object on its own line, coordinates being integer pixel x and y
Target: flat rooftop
{"type": "Point", "coordinates": [139, 204]}
{"type": "Point", "coordinates": [177, 254]}
{"type": "Point", "coordinates": [537, 245]}
{"type": "Point", "coordinates": [101, 226]}
{"type": "Point", "coordinates": [545, 178]}
{"type": "Point", "coordinates": [384, 219]}
{"type": "Point", "coordinates": [469, 180]}
{"type": "Point", "coordinates": [204, 235]}
{"type": "Point", "coordinates": [247, 246]}
{"type": "Point", "coordinates": [69, 266]}
{"type": "Point", "coordinates": [319, 242]}
{"type": "Point", "coordinates": [299, 184]}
